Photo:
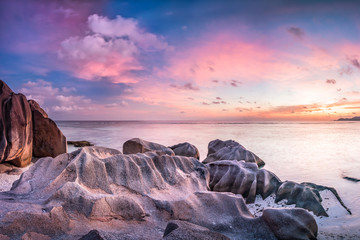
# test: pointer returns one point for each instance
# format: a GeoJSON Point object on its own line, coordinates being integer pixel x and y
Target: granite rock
{"type": "Point", "coordinates": [186, 149]}
{"type": "Point", "coordinates": [137, 145]}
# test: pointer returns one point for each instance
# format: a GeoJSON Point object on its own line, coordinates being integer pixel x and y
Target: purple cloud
{"type": "Point", "coordinates": [186, 86]}
{"type": "Point", "coordinates": [235, 83]}
{"type": "Point", "coordinates": [296, 32]}
{"type": "Point", "coordinates": [330, 81]}
{"type": "Point", "coordinates": [355, 62]}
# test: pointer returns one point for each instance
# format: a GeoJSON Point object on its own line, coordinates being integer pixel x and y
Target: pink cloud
{"type": "Point", "coordinates": [226, 58]}
{"type": "Point", "coordinates": [111, 50]}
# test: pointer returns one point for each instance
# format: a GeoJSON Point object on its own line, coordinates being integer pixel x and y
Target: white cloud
{"type": "Point", "coordinates": [54, 99]}
{"type": "Point", "coordinates": [119, 104]}
{"type": "Point", "coordinates": [110, 50]}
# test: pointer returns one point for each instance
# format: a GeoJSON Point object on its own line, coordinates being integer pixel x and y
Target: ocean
{"type": "Point", "coordinates": [318, 152]}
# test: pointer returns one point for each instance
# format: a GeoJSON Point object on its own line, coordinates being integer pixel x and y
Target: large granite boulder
{"type": "Point", "coordinates": [129, 195]}
{"type": "Point", "coordinates": [137, 145]}
{"type": "Point", "coordinates": [302, 195]}
{"type": "Point", "coordinates": [16, 128]}
{"type": "Point", "coordinates": [48, 139]}
{"type": "Point", "coordinates": [181, 230]}
{"type": "Point", "coordinates": [230, 150]}
{"type": "Point", "coordinates": [218, 144]}
{"type": "Point", "coordinates": [243, 178]}
{"type": "Point", "coordinates": [186, 149]}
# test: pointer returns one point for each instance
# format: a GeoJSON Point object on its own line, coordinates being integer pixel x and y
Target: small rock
{"type": "Point", "coordinates": [80, 143]}
{"type": "Point", "coordinates": [92, 235]}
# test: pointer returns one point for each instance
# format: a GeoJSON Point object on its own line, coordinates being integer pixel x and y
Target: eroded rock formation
{"type": "Point", "coordinates": [16, 128]}
{"type": "Point", "coordinates": [133, 196]}
{"type": "Point", "coordinates": [230, 150]}
{"type": "Point", "coordinates": [245, 178]}
{"type": "Point", "coordinates": [242, 178]}
{"type": "Point", "coordinates": [26, 130]}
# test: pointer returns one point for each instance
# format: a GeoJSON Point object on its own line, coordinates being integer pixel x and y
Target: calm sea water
{"type": "Point", "coordinates": [318, 152]}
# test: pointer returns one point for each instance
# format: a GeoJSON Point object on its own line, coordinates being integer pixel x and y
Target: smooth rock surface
{"type": "Point", "coordinates": [186, 149]}
{"type": "Point", "coordinates": [137, 145]}
{"type": "Point", "coordinates": [48, 141]}
{"type": "Point", "coordinates": [230, 150]}
{"type": "Point", "coordinates": [16, 128]}
{"type": "Point", "coordinates": [243, 178]}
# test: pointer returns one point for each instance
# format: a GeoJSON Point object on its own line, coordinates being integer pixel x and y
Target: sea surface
{"type": "Point", "coordinates": [318, 152]}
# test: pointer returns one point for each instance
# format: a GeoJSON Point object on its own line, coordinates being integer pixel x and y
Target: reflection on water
{"type": "Point", "coordinates": [302, 152]}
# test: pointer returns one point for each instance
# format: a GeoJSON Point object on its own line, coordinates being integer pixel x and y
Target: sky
{"type": "Point", "coordinates": [184, 60]}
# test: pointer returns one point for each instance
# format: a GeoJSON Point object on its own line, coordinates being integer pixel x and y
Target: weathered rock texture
{"type": "Point", "coordinates": [48, 139]}
{"type": "Point", "coordinates": [242, 178]}
{"type": "Point", "coordinates": [16, 128]}
{"type": "Point", "coordinates": [26, 130]}
{"type": "Point", "coordinates": [137, 145]}
{"type": "Point", "coordinates": [133, 196]}
{"type": "Point", "coordinates": [230, 150]}
{"type": "Point", "coordinates": [186, 149]}
{"type": "Point", "coordinates": [246, 179]}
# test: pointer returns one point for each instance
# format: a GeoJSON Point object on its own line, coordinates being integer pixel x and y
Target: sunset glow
{"type": "Point", "coordinates": [116, 60]}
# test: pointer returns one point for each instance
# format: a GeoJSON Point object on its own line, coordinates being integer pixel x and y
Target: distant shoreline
{"type": "Point", "coordinates": [349, 119]}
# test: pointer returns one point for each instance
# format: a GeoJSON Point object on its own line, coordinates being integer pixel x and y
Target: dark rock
{"type": "Point", "coordinates": [186, 149]}
{"type": "Point", "coordinates": [302, 196]}
{"type": "Point", "coordinates": [92, 235]}
{"type": "Point", "coordinates": [16, 133]}
{"type": "Point", "coordinates": [80, 143]}
{"type": "Point", "coordinates": [230, 150]}
{"type": "Point", "coordinates": [331, 189]}
{"type": "Point", "coordinates": [48, 139]}
{"type": "Point", "coordinates": [291, 224]}
{"type": "Point", "coordinates": [243, 178]}
{"type": "Point", "coordinates": [351, 179]}
{"type": "Point", "coordinates": [137, 145]}
{"type": "Point", "coordinates": [181, 230]}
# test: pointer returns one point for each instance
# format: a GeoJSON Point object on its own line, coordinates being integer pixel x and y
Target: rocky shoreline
{"type": "Point", "coordinates": [152, 193]}
{"type": "Point", "coordinates": [148, 191]}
